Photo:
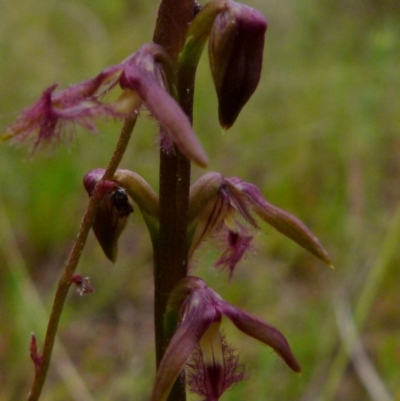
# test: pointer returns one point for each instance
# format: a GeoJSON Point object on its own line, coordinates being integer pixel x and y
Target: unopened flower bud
{"type": "Point", "coordinates": [34, 353]}
{"type": "Point", "coordinates": [236, 50]}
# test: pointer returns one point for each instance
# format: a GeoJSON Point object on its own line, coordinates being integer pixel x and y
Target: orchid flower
{"type": "Point", "coordinates": [146, 77]}
{"type": "Point", "coordinates": [114, 209]}
{"type": "Point", "coordinates": [228, 205]}
{"type": "Point", "coordinates": [200, 311]}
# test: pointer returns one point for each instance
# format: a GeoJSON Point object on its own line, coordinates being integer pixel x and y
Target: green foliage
{"type": "Point", "coordinates": [320, 137]}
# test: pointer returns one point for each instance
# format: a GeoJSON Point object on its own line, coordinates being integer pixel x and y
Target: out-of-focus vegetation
{"type": "Point", "coordinates": [321, 138]}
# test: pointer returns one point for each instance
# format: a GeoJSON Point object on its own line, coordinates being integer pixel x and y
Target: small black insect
{"type": "Point", "coordinates": [197, 8]}
{"type": "Point", "coordinates": [119, 199]}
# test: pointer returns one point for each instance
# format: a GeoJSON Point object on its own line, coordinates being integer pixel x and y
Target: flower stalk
{"type": "Point", "coordinates": [70, 267]}
{"type": "Point", "coordinates": [171, 254]}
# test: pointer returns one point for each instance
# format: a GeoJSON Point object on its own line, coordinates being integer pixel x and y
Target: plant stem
{"type": "Point", "coordinates": [171, 252]}
{"type": "Point", "coordinates": [71, 264]}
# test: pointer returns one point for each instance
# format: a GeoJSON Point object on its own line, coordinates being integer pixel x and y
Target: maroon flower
{"type": "Point", "coordinates": [79, 104]}
{"type": "Point", "coordinates": [112, 214]}
{"type": "Point", "coordinates": [201, 310]}
{"type": "Point", "coordinates": [225, 207]}
{"type": "Point", "coordinates": [144, 77]}
{"type": "Point", "coordinates": [114, 209]}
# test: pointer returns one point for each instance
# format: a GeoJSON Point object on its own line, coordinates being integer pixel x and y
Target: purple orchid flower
{"type": "Point", "coordinates": [225, 207]}
{"type": "Point", "coordinates": [145, 77]}
{"type": "Point", "coordinates": [201, 310]}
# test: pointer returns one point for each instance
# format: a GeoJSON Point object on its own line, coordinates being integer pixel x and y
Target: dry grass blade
{"type": "Point", "coordinates": [362, 363]}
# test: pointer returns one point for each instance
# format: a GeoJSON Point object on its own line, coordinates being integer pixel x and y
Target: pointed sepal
{"type": "Point", "coordinates": [215, 201]}
{"type": "Point", "coordinates": [282, 221]}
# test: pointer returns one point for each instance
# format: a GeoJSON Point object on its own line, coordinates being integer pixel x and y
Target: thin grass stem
{"type": "Point", "coordinates": [364, 303]}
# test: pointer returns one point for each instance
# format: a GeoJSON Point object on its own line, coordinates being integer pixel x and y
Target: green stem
{"type": "Point", "coordinates": [171, 252]}
{"type": "Point", "coordinates": [71, 264]}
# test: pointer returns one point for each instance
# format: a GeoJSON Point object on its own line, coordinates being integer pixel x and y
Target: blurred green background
{"type": "Point", "coordinates": [320, 137]}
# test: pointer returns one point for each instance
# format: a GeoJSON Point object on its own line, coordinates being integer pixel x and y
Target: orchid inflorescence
{"type": "Point", "coordinates": [220, 208]}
